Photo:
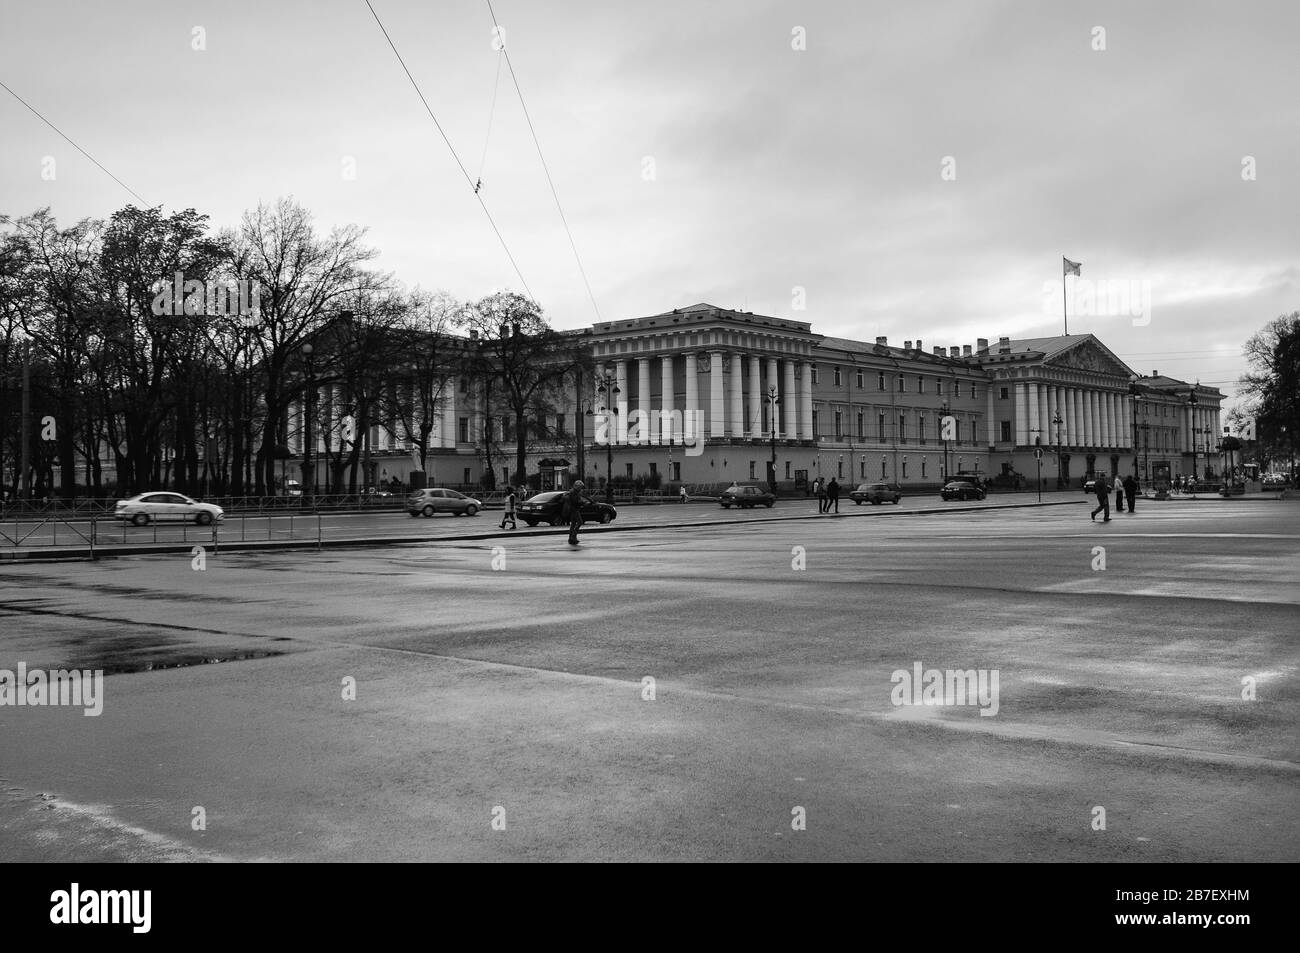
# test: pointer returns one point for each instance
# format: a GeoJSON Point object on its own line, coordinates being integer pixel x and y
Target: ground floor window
{"type": "Point", "coordinates": [676, 474]}
{"type": "Point", "coordinates": [752, 473]}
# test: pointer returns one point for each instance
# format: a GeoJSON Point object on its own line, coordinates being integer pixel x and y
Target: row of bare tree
{"type": "Point", "coordinates": [179, 352]}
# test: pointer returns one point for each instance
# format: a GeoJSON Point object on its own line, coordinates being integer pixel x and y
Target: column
{"type": "Point", "coordinates": [667, 396]}
{"type": "Point", "coordinates": [805, 400]}
{"type": "Point", "coordinates": [1022, 415]}
{"type": "Point", "coordinates": [1035, 421]}
{"type": "Point", "coordinates": [692, 425]}
{"type": "Point", "coordinates": [1076, 421]}
{"type": "Point", "coordinates": [717, 415]}
{"type": "Point", "coordinates": [1044, 414]}
{"type": "Point", "coordinates": [788, 401]}
{"type": "Point", "coordinates": [755, 422]}
{"type": "Point", "coordinates": [1105, 419]}
{"type": "Point", "coordinates": [1090, 417]}
{"type": "Point", "coordinates": [737, 396]}
{"type": "Point", "coordinates": [772, 381]}
{"type": "Point", "coordinates": [1060, 435]}
{"type": "Point", "coordinates": [643, 400]}
{"type": "Point", "coordinates": [621, 401]}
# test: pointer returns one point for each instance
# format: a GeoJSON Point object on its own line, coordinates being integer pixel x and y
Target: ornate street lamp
{"type": "Point", "coordinates": [1057, 422]}
{"type": "Point", "coordinates": [1192, 402]}
{"type": "Point", "coordinates": [943, 432]}
{"type": "Point", "coordinates": [773, 400]}
{"type": "Point", "coordinates": [309, 411]}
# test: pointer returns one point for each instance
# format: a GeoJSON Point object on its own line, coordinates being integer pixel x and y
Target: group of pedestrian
{"type": "Point", "coordinates": [827, 493]}
{"type": "Point", "coordinates": [1125, 492]}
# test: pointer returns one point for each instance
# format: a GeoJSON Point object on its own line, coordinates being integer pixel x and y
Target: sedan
{"type": "Point", "coordinates": [874, 493]}
{"type": "Point", "coordinates": [747, 496]}
{"type": "Point", "coordinates": [549, 508]}
{"type": "Point", "coordinates": [163, 507]}
{"type": "Point", "coordinates": [439, 500]}
{"type": "Point", "coordinates": [961, 490]}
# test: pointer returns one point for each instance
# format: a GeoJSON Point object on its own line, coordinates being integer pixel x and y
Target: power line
{"type": "Point", "coordinates": [450, 148]}
{"type": "Point", "coordinates": [554, 194]}
{"type": "Point", "coordinates": [38, 115]}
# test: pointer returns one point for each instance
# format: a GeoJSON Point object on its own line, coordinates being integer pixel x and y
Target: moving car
{"type": "Point", "coordinates": [874, 493]}
{"type": "Point", "coordinates": [961, 490]}
{"type": "Point", "coordinates": [549, 508]}
{"type": "Point", "coordinates": [166, 507]}
{"type": "Point", "coordinates": [747, 496]}
{"type": "Point", "coordinates": [436, 499]}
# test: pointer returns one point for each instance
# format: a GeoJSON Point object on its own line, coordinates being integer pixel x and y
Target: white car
{"type": "Point", "coordinates": [166, 507]}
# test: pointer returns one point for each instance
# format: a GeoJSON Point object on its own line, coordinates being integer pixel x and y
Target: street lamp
{"type": "Point", "coordinates": [1146, 447]}
{"type": "Point", "coordinates": [608, 389]}
{"type": "Point", "coordinates": [943, 432]}
{"type": "Point", "coordinates": [1057, 422]}
{"type": "Point", "coordinates": [309, 410]}
{"type": "Point", "coordinates": [1192, 402]}
{"type": "Point", "coordinates": [1135, 390]}
{"type": "Point", "coordinates": [773, 400]}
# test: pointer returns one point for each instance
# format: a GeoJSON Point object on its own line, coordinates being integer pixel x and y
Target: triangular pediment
{"type": "Point", "coordinates": [1089, 354]}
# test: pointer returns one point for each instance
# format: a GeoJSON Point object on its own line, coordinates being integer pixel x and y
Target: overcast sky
{"type": "Point", "coordinates": [699, 156]}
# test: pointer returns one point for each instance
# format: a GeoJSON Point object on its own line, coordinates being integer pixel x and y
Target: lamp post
{"type": "Point", "coordinates": [1057, 422]}
{"type": "Point", "coordinates": [1192, 402]}
{"type": "Point", "coordinates": [1135, 390]}
{"type": "Point", "coordinates": [773, 399]}
{"type": "Point", "coordinates": [309, 413]}
{"type": "Point", "coordinates": [943, 432]}
{"type": "Point", "coordinates": [1146, 447]}
{"type": "Point", "coordinates": [608, 389]}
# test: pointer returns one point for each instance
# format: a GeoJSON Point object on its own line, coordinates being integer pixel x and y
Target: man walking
{"type": "Point", "coordinates": [509, 514]}
{"type": "Point", "coordinates": [1102, 489]}
{"type": "Point", "coordinates": [572, 512]}
{"type": "Point", "coordinates": [833, 495]}
{"type": "Point", "coordinates": [1130, 490]}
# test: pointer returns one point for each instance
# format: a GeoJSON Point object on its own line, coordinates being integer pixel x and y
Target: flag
{"type": "Point", "coordinates": [1070, 267]}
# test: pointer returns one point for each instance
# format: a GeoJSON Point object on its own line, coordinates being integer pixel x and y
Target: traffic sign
{"type": "Point", "coordinates": [1038, 453]}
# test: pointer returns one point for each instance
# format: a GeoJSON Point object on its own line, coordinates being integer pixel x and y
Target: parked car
{"type": "Point", "coordinates": [548, 507]}
{"type": "Point", "coordinates": [874, 493]}
{"type": "Point", "coordinates": [961, 490]}
{"type": "Point", "coordinates": [1090, 484]}
{"type": "Point", "coordinates": [436, 499]}
{"type": "Point", "coordinates": [166, 507]}
{"type": "Point", "coordinates": [747, 496]}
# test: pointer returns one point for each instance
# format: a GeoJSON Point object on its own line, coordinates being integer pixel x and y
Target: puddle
{"type": "Point", "coordinates": [117, 665]}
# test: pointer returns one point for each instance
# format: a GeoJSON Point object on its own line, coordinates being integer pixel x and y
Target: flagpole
{"type": "Point", "coordinates": [1065, 314]}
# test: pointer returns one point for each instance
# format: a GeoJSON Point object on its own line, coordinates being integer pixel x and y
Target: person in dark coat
{"type": "Point", "coordinates": [833, 495]}
{"type": "Point", "coordinates": [1102, 489]}
{"type": "Point", "coordinates": [1130, 491]}
{"type": "Point", "coordinates": [820, 488]}
{"type": "Point", "coordinates": [572, 512]}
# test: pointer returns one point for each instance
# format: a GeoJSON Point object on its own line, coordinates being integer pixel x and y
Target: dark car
{"type": "Point", "coordinates": [746, 496]}
{"type": "Point", "coordinates": [874, 493]}
{"type": "Point", "coordinates": [961, 490]}
{"type": "Point", "coordinates": [549, 508]}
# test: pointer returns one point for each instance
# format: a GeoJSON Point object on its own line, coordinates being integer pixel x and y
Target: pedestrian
{"type": "Point", "coordinates": [833, 495]}
{"type": "Point", "coordinates": [682, 495]}
{"type": "Point", "coordinates": [820, 489]}
{"type": "Point", "coordinates": [509, 514]}
{"type": "Point", "coordinates": [1102, 489]}
{"type": "Point", "coordinates": [573, 510]}
{"type": "Point", "coordinates": [1130, 490]}
{"type": "Point", "coordinates": [1119, 496]}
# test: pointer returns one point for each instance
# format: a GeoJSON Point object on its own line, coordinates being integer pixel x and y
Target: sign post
{"type": "Point", "coordinates": [1038, 456]}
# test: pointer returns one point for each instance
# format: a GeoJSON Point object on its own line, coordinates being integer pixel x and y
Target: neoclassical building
{"type": "Point", "coordinates": [705, 395]}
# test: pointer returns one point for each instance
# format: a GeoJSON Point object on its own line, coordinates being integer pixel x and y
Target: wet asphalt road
{"type": "Point", "coordinates": [520, 688]}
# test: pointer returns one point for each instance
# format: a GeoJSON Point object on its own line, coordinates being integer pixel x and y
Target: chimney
{"type": "Point", "coordinates": [983, 345]}
{"type": "Point", "coordinates": [938, 351]}
{"type": "Point", "coordinates": [473, 335]}
{"type": "Point", "coordinates": [1155, 373]}
{"type": "Point", "coordinates": [965, 350]}
{"type": "Point", "coordinates": [907, 345]}
{"type": "Point", "coordinates": [1004, 345]}
{"type": "Point", "coordinates": [954, 351]}
{"type": "Point", "coordinates": [882, 341]}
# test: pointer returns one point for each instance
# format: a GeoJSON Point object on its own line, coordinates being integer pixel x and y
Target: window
{"type": "Point", "coordinates": [462, 433]}
{"type": "Point", "coordinates": [1006, 431]}
{"type": "Point", "coordinates": [974, 392]}
{"type": "Point", "coordinates": [464, 384]}
{"type": "Point", "coordinates": [752, 473]}
{"type": "Point", "coordinates": [787, 469]}
{"type": "Point", "coordinates": [816, 426]}
{"type": "Point", "coordinates": [465, 478]}
{"type": "Point", "coordinates": [676, 475]}
{"type": "Point", "coordinates": [654, 468]}
{"type": "Point", "coordinates": [1002, 393]}
{"type": "Point", "coordinates": [862, 426]}
{"type": "Point", "coordinates": [938, 386]}
{"type": "Point", "coordinates": [839, 469]}
{"type": "Point", "coordinates": [505, 475]}
{"type": "Point", "coordinates": [956, 430]}
{"type": "Point", "coordinates": [902, 428]}
{"type": "Point", "coordinates": [882, 468]}
{"type": "Point", "coordinates": [559, 425]}
{"type": "Point", "coordinates": [858, 380]}
{"type": "Point", "coordinates": [923, 462]}
{"type": "Point", "coordinates": [863, 468]}
{"type": "Point", "coordinates": [880, 381]}
{"type": "Point", "coordinates": [882, 428]}
{"type": "Point", "coordinates": [814, 373]}
{"type": "Point", "coordinates": [956, 389]}
{"type": "Point", "coordinates": [839, 425]}
{"type": "Point", "coordinates": [920, 428]}
{"type": "Point", "coordinates": [905, 468]}
{"type": "Point", "coordinates": [838, 380]}
{"type": "Point", "coordinates": [629, 471]}
{"type": "Point", "coordinates": [487, 429]}
{"type": "Point", "coordinates": [902, 384]}
{"type": "Point", "coordinates": [920, 384]}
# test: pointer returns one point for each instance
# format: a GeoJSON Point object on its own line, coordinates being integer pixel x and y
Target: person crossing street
{"type": "Point", "coordinates": [1102, 488]}
{"type": "Point", "coordinates": [572, 512]}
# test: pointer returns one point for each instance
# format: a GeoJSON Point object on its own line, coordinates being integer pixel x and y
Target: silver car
{"type": "Point", "coordinates": [438, 500]}
{"type": "Point", "coordinates": [166, 507]}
